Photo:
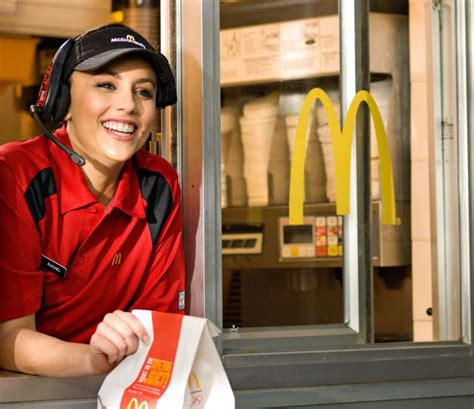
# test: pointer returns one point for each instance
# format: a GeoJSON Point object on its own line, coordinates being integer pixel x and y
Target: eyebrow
{"type": "Point", "coordinates": [117, 75]}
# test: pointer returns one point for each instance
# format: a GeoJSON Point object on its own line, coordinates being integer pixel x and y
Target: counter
{"type": "Point", "coordinates": [35, 392]}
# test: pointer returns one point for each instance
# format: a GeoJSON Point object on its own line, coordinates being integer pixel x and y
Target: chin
{"type": "Point", "coordinates": [120, 157]}
{"type": "Point", "coordinates": [120, 153]}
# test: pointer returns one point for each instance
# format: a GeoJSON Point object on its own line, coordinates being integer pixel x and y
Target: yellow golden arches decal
{"type": "Point", "coordinates": [133, 404]}
{"type": "Point", "coordinates": [341, 145]}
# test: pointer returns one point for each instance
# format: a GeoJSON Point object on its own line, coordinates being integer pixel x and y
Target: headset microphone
{"type": "Point", "coordinates": [74, 156]}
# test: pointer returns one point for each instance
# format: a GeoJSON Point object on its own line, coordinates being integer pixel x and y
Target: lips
{"type": "Point", "coordinates": [124, 131]}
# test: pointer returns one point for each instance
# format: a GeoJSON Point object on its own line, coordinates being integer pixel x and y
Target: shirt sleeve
{"type": "Point", "coordinates": [21, 281]}
{"type": "Point", "coordinates": [163, 288]}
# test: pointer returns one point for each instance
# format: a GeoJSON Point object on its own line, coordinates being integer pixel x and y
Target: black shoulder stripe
{"type": "Point", "coordinates": [156, 191]}
{"type": "Point", "coordinates": [40, 187]}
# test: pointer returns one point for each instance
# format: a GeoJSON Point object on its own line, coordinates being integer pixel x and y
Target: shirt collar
{"type": "Point", "coordinates": [73, 192]}
{"type": "Point", "coordinates": [128, 196]}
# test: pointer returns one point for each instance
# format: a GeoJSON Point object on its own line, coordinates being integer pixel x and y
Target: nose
{"type": "Point", "coordinates": [126, 101]}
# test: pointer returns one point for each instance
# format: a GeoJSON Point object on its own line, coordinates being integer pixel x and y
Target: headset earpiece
{"type": "Point", "coordinates": [166, 94]}
{"type": "Point", "coordinates": [53, 99]}
{"type": "Point", "coordinates": [62, 104]}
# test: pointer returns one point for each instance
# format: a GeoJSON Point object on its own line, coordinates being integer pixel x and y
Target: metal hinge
{"type": "Point", "coordinates": [447, 127]}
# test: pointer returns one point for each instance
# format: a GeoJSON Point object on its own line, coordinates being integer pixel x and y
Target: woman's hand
{"type": "Point", "coordinates": [115, 338]}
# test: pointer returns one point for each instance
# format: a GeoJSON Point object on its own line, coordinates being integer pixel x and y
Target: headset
{"type": "Point", "coordinates": [53, 100]}
{"type": "Point", "coordinates": [54, 95]}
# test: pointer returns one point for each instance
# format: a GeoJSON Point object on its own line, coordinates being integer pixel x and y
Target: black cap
{"type": "Point", "coordinates": [98, 47]}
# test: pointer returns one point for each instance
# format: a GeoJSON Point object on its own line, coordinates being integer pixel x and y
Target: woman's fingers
{"type": "Point", "coordinates": [134, 323]}
{"type": "Point", "coordinates": [110, 333]}
{"type": "Point", "coordinates": [101, 346]}
{"type": "Point", "coordinates": [121, 330]}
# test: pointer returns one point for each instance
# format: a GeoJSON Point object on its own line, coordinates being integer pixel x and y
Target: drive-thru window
{"type": "Point", "coordinates": [337, 263]}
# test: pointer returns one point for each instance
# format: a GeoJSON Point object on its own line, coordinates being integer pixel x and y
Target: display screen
{"type": "Point", "coordinates": [298, 234]}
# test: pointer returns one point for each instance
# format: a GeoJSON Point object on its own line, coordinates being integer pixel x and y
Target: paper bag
{"type": "Point", "coordinates": [179, 368]}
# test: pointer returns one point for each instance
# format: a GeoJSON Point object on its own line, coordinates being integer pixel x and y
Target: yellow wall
{"type": "Point", "coordinates": [9, 117]}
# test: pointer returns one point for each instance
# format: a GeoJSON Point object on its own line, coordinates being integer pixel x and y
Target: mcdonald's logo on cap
{"type": "Point", "coordinates": [130, 37]}
{"type": "Point", "coordinates": [133, 404]}
{"type": "Point", "coordinates": [341, 145]}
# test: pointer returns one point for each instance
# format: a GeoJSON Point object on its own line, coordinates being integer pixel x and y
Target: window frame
{"type": "Point", "coordinates": [316, 364]}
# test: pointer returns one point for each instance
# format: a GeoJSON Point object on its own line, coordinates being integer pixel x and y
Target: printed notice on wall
{"type": "Point", "coordinates": [294, 49]}
{"type": "Point", "coordinates": [8, 6]}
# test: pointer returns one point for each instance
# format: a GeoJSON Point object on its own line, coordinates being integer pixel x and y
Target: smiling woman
{"type": "Point", "coordinates": [110, 118]}
{"type": "Point", "coordinates": [84, 245]}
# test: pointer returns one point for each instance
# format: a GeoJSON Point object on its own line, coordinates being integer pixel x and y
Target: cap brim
{"type": "Point", "coordinates": [159, 63]}
{"type": "Point", "coordinates": [102, 59]}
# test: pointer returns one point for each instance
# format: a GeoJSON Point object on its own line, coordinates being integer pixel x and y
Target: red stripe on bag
{"type": "Point", "coordinates": [155, 373]}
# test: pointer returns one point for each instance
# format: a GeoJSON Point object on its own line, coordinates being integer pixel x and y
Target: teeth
{"type": "Point", "coordinates": [119, 126]}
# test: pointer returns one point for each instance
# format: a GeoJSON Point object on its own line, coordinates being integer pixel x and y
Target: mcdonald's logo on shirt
{"type": "Point", "coordinates": [341, 145]}
{"type": "Point", "coordinates": [130, 37]}
{"type": "Point", "coordinates": [117, 259]}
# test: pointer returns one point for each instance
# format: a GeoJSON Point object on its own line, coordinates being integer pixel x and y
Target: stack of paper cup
{"type": "Point", "coordinates": [315, 178]}
{"type": "Point", "coordinates": [224, 200]}
{"type": "Point", "coordinates": [291, 122]}
{"type": "Point", "coordinates": [228, 124]}
{"type": "Point", "coordinates": [279, 166]}
{"type": "Point", "coordinates": [381, 91]}
{"type": "Point", "coordinates": [232, 178]}
{"type": "Point", "coordinates": [228, 121]}
{"type": "Point", "coordinates": [324, 137]}
{"type": "Point", "coordinates": [257, 127]}
{"type": "Point", "coordinates": [375, 181]}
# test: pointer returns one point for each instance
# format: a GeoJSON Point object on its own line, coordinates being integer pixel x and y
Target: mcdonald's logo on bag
{"type": "Point", "coordinates": [194, 377]}
{"type": "Point", "coordinates": [341, 145]}
{"type": "Point", "coordinates": [133, 404]}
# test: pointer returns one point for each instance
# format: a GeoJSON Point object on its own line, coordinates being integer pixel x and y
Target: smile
{"type": "Point", "coordinates": [120, 130]}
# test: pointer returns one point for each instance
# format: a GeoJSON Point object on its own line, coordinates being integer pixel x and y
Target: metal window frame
{"type": "Point", "coordinates": [313, 364]}
{"type": "Point", "coordinates": [465, 117]}
{"type": "Point", "coordinates": [357, 263]}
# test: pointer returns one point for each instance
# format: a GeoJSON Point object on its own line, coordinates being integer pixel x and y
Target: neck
{"type": "Point", "coordinates": [101, 184]}
{"type": "Point", "coordinates": [101, 177]}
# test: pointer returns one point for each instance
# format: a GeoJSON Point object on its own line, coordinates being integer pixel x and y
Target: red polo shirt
{"type": "Point", "coordinates": [70, 261]}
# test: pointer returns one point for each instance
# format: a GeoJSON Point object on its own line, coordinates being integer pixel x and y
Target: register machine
{"type": "Point", "coordinates": [263, 238]}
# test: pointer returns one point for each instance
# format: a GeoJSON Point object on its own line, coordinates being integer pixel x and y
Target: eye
{"type": "Point", "coordinates": [144, 93]}
{"type": "Point", "coordinates": [105, 85]}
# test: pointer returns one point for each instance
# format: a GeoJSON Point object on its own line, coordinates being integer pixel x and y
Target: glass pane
{"type": "Point", "coordinates": [434, 174]}
{"type": "Point", "coordinates": [277, 274]}
{"type": "Point", "coordinates": [420, 300]}
{"type": "Point", "coordinates": [274, 273]}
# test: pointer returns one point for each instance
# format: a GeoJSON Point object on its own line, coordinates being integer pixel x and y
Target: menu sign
{"type": "Point", "coordinates": [280, 51]}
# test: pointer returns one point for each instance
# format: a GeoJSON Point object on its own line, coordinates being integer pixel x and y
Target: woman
{"type": "Point", "coordinates": [81, 246]}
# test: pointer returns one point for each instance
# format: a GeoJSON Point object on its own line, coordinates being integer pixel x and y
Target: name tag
{"type": "Point", "coordinates": [50, 265]}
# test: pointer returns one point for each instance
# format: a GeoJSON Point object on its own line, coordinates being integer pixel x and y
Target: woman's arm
{"type": "Point", "coordinates": [23, 349]}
